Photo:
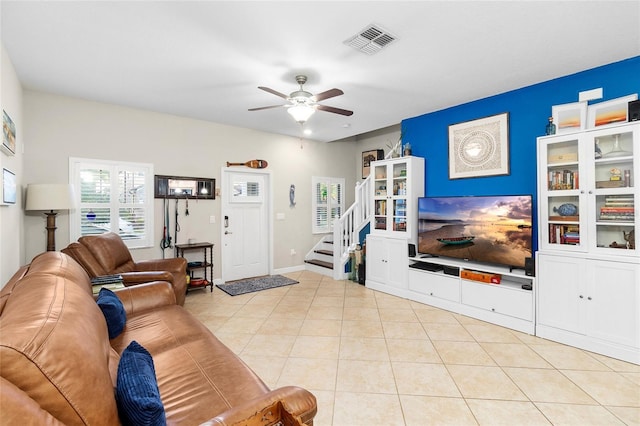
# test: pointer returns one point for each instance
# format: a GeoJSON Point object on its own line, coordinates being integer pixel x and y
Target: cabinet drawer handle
{"type": "Point", "coordinates": [581, 297]}
{"type": "Point", "coordinates": [589, 298]}
{"type": "Point", "coordinates": [493, 309]}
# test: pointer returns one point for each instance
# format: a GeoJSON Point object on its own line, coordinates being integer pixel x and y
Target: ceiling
{"type": "Point", "coordinates": [206, 59]}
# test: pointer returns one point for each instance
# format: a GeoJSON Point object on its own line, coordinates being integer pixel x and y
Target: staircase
{"type": "Point", "coordinates": [321, 258]}
{"type": "Point", "coordinates": [331, 254]}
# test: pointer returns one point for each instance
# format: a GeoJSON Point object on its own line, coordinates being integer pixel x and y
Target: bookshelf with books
{"type": "Point", "coordinates": [397, 185]}
{"type": "Point", "coordinates": [587, 264]}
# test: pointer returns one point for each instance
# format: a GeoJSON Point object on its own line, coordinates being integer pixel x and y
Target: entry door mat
{"type": "Point", "coordinates": [250, 285]}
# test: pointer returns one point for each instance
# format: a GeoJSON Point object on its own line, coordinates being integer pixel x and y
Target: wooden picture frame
{"type": "Point", "coordinates": [611, 112]}
{"type": "Point", "coordinates": [8, 135]}
{"type": "Point", "coordinates": [570, 117]}
{"type": "Point", "coordinates": [9, 192]}
{"type": "Point", "coordinates": [479, 147]}
{"type": "Point", "coordinates": [368, 157]}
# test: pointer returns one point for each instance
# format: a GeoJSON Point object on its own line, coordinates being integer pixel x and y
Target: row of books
{"type": "Point", "coordinates": [564, 234]}
{"type": "Point", "coordinates": [563, 179]}
{"type": "Point", "coordinates": [618, 207]}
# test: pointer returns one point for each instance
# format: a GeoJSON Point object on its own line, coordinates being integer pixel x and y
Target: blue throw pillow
{"type": "Point", "coordinates": [137, 392]}
{"type": "Point", "coordinates": [113, 312]}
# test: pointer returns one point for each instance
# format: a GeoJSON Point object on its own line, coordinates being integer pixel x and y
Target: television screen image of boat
{"type": "Point", "coordinates": [456, 240]}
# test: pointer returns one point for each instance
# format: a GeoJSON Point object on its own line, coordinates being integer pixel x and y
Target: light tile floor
{"type": "Point", "coordinates": [371, 359]}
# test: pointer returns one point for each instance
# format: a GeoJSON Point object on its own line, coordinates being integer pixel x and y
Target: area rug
{"type": "Point", "coordinates": [250, 285]}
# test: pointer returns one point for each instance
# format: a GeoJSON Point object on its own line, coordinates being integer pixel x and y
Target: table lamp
{"type": "Point", "coordinates": [50, 196]}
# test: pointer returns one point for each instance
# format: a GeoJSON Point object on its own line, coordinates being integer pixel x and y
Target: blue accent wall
{"type": "Point", "coordinates": [529, 109]}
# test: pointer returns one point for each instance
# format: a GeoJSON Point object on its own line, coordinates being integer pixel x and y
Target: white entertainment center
{"type": "Point", "coordinates": [388, 263]}
{"type": "Point", "coordinates": [586, 288]}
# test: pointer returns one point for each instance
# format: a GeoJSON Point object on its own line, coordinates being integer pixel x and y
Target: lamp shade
{"type": "Point", "coordinates": [301, 112]}
{"type": "Point", "coordinates": [49, 196]}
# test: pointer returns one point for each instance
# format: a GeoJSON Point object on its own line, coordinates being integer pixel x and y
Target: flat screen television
{"type": "Point", "coordinates": [487, 229]}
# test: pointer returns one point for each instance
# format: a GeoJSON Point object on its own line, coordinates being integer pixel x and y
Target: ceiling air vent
{"type": "Point", "coordinates": [370, 40]}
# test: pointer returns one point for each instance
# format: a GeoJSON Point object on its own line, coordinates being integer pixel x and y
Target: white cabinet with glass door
{"type": "Point", "coordinates": [587, 191]}
{"type": "Point", "coordinates": [397, 184]}
{"type": "Point", "coordinates": [588, 265]}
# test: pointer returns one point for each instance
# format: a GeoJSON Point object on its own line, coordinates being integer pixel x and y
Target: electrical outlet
{"type": "Point", "coordinates": [293, 252]}
{"type": "Point", "coordinates": [212, 219]}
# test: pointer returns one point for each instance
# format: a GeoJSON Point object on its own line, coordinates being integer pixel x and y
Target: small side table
{"type": "Point", "coordinates": [206, 265]}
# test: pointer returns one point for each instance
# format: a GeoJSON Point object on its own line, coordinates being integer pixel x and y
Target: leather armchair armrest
{"type": "Point", "coordinates": [133, 278]}
{"type": "Point", "coordinates": [174, 265]}
{"type": "Point", "coordinates": [19, 408]}
{"type": "Point", "coordinates": [147, 296]}
{"type": "Point", "coordinates": [297, 403]}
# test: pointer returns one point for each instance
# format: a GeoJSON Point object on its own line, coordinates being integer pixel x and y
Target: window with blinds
{"type": "Point", "coordinates": [327, 203]}
{"type": "Point", "coordinates": [113, 196]}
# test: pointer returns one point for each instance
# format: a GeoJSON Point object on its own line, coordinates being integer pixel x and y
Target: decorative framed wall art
{"type": "Point", "coordinates": [610, 112]}
{"type": "Point", "coordinates": [479, 147]}
{"type": "Point", "coordinates": [368, 157]}
{"type": "Point", "coordinates": [8, 135]}
{"type": "Point", "coordinates": [8, 187]}
{"type": "Point", "coordinates": [570, 117]}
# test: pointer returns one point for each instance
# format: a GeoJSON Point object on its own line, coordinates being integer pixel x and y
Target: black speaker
{"type": "Point", "coordinates": [634, 110]}
{"type": "Point", "coordinates": [362, 270]}
{"type": "Point", "coordinates": [412, 250]}
{"type": "Point", "coordinates": [529, 267]}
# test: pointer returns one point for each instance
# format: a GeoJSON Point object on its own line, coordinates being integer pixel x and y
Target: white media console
{"type": "Point", "coordinates": [507, 304]}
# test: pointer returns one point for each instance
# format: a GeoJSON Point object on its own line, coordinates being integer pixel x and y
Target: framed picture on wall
{"type": "Point", "coordinates": [8, 187]}
{"type": "Point", "coordinates": [610, 112]}
{"type": "Point", "coordinates": [8, 135]}
{"type": "Point", "coordinates": [570, 117]}
{"type": "Point", "coordinates": [479, 147]}
{"type": "Point", "coordinates": [368, 157]}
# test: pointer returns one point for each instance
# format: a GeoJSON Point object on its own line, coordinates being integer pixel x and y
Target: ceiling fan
{"type": "Point", "coordinates": [303, 104]}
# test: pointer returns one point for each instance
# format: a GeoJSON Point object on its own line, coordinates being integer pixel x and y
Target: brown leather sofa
{"type": "Point", "coordinates": [107, 254]}
{"type": "Point", "coordinates": [58, 366]}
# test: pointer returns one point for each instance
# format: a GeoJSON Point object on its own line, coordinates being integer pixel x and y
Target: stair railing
{"type": "Point", "coordinates": [346, 229]}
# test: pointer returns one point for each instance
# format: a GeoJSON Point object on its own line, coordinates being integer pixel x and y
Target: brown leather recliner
{"type": "Point", "coordinates": [107, 254]}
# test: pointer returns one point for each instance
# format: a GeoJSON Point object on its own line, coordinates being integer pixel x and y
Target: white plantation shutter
{"type": "Point", "coordinates": [336, 201]}
{"type": "Point", "coordinates": [113, 196]}
{"type": "Point", "coordinates": [327, 203]}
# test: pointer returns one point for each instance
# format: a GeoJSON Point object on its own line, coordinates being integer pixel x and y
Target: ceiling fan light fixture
{"type": "Point", "coordinates": [301, 112]}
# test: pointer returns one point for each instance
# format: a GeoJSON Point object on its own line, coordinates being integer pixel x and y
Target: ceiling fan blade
{"type": "Point", "coordinates": [273, 92]}
{"type": "Point", "coordinates": [266, 107]}
{"type": "Point", "coordinates": [331, 93]}
{"type": "Point", "coordinates": [334, 110]}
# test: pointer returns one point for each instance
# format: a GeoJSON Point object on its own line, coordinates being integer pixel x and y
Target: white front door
{"type": "Point", "coordinates": [246, 238]}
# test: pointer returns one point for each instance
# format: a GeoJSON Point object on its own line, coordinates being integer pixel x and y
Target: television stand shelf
{"type": "Point", "coordinates": [507, 304]}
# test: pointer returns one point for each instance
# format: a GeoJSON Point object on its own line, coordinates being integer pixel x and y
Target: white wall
{"type": "Point", "coordinates": [11, 216]}
{"type": "Point", "coordinates": [58, 127]}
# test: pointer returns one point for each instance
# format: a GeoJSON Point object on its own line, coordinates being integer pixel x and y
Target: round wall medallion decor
{"type": "Point", "coordinates": [477, 148]}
